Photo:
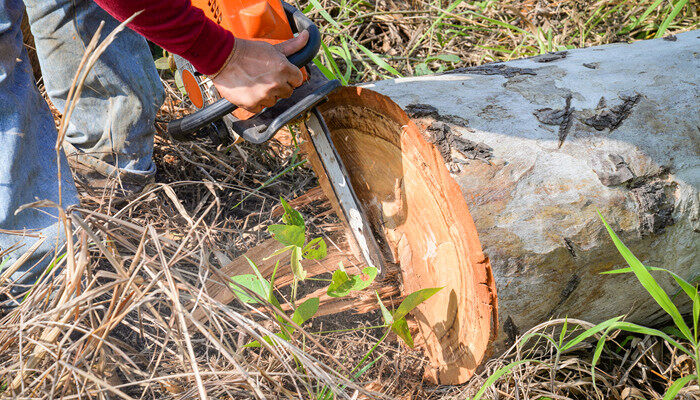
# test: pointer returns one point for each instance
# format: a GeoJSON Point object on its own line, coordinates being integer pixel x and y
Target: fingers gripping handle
{"type": "Point", "coordinates": [302, 23]}
{"type": "Point", "coordinates": [180, 129]}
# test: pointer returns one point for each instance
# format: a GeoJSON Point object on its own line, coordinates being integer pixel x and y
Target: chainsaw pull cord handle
{"type": "Point", "coordinates": [180, 128]}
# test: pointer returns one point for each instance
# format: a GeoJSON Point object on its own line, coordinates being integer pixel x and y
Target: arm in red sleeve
{"type": "Point", "coordinates": [178, 27]}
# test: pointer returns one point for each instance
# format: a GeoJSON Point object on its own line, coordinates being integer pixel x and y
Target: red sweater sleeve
{"type": "Point", "coordinates": [178, 27]}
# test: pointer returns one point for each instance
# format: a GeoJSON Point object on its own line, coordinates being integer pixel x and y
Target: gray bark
{"type": "Point", "coordinates": [538, 145]}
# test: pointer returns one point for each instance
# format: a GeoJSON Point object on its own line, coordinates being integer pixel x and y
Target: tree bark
{"type": "Point", "coordinates": [539, 145]}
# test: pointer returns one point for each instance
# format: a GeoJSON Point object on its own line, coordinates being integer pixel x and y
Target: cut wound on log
{"type": "Point", "coordinates": [418, 210]}
{"type": "Point", "coordinates": [494, 69]}
{"type": "Point", "coordinates": [549, 57]}
{"type": "Point", "coordinates": [612, 117]}
{"type": "Point", "coordinates": [438, 131]}
{"type": "Point", "coordinates": [560, 117]}
{"type": "Point", "coordinates": [655, 206]}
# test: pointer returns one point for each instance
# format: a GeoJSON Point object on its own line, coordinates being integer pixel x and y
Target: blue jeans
{"type": "Point", "coordinates": [113, 121]}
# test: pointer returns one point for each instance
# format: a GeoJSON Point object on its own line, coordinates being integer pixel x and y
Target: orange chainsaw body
{"type": "Point", "coordinates": [249, 19]}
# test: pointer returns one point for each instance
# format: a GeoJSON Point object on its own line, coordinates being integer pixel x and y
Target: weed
{"type": "Point", "coordinates": [680, 332]}
{"type": "Point", "coordinates": [255, 289]}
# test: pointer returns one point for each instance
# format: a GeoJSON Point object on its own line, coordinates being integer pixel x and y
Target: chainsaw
{"type": "Point", "coordinates": [274, 21]}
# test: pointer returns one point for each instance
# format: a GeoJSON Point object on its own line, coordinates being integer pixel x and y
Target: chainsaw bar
{"type": "Point", "coordinates": [344, 193]}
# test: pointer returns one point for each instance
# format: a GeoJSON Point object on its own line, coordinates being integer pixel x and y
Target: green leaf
{"type": "Point", "coordinates": [562, 334]}
{"type": "Point", "coordinates": [288, 235]}
{"type": "Point", "coordinates": [270, 294]}
{"type": "Point", "coordinates": [677, 386]}
{"type": "Point", "coordinates": [525, 338]}
{"type": "Point", "coordinates": [388, 318]}
{"type": "Point", "coordinates": [252, 282]}
{"type": "Point", "coordinates": [413, 300]}
{"type": "Point", "coordinates": [630, 327]}
{"type": "Point", "coordinates": [342, 283]}
{"type": "Point", "coordinates": [334, 66]}
{"type": "Point", "coordinates": [326, 72]}
{"type": "Point", "coordinates": [315, 249]}
{"type": "Point", "coordinates": [291, 216]}
{"type": "Point", "coordinates": [644, 16]}
{"type": "Point", "coordinates": [696, 315]}
{"type": "Point", "coordinates": [280, 251]}
{"type": "Point", "coordinates": [268, 340]}
{"type": "Point", "coordinates": [297, 268]}
{"type": "Point", "coordinates": [422, 69]}
{"type": "Point", "coordinates": [377, 60]}
{"type": "Point", "coordinates": [322, 10]}
{"type": "Point", "coordinates": [347, 57]}
{"type": "Point", "coordinates": [162, 63]}
{"type": "Point", "coordinates": [590, 332]}
{"type": "Point", "coordinates": [400, 326]}
{"type": "Point", "coordinates": [453, 58]}
{"type": "Point", "coordinates": [361, 282]}
{"type": "Point", "coordinates": [600, 346]}
{"type": "Point", "coordinates": [305, 311]}
{"type": "Point", "coordinates": [689, 289]}
{"type": "Point", "coordinates": [649, 282]}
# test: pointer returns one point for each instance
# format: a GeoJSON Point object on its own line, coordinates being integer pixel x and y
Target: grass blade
{"type": "Point", "coordinates": [644, 16]}
{"type": "Point", "coordinates": [677, 385]}
{"type": "Point", "coordinates": [590, 332]}
{"type": "Point", "coordinates": [649, 282]}
{"type": "Point", "coordinates": [670, 17]}
{"type": "Point", "coordinates": [630, 327]}
{"type": "Point", "coordinates": [377, 60]}
{"type": "Point", "coordinates": [689, 289]}
{"type": "Point", "coordinates": [496, 375]}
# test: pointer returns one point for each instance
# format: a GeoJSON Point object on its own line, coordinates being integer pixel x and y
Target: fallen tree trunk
{"type": "Point", "coordinates": [533, 148]}
{"type": "Point", "coordinates": [538, 145]}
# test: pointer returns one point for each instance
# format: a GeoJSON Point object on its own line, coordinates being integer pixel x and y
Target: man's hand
{"type": "Point", "coordinates": [258, 73]}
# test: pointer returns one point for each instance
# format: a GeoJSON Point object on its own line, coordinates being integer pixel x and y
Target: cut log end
{"type": "Point", "coordinates": [420, 217]}
{"type": "Point", "coordinates": [418, 211]}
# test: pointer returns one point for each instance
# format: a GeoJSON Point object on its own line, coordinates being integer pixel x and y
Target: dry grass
{"type": "Point", "coordinates": [116, 321]}
{"type": "Point", "coordinates": [422, 36]}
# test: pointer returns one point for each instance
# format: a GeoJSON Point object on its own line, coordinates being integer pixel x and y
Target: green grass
{"type": "Point", "coordinates": [368, 41]}
{"type": "Point", "coordinates": [684, 337]}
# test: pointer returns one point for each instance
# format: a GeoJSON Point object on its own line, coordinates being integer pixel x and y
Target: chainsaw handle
{"type": "Point", "coordinates": [180, 129]}
{"type": "Point", "coordinates": [303, 23]}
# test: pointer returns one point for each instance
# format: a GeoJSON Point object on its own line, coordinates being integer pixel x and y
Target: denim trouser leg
{"type": "Point", "coordinates": [28, 169]}
{"type": "Point", "coordinates": [113, 121]}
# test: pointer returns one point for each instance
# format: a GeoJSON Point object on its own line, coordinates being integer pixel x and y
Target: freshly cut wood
{"type": "Point", "coordinates": [539, 145]}
{"type": "Point", "coordinates": [419, 216]}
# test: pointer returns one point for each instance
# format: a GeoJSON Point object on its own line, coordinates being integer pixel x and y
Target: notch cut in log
{"type": "Point", "coordinates": [418, 210]}
{"type": "Point", "coordinates": [419, 214]}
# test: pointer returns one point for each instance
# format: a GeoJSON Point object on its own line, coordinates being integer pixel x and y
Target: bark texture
{"type": "Point", "coordinates": [538, 145]}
